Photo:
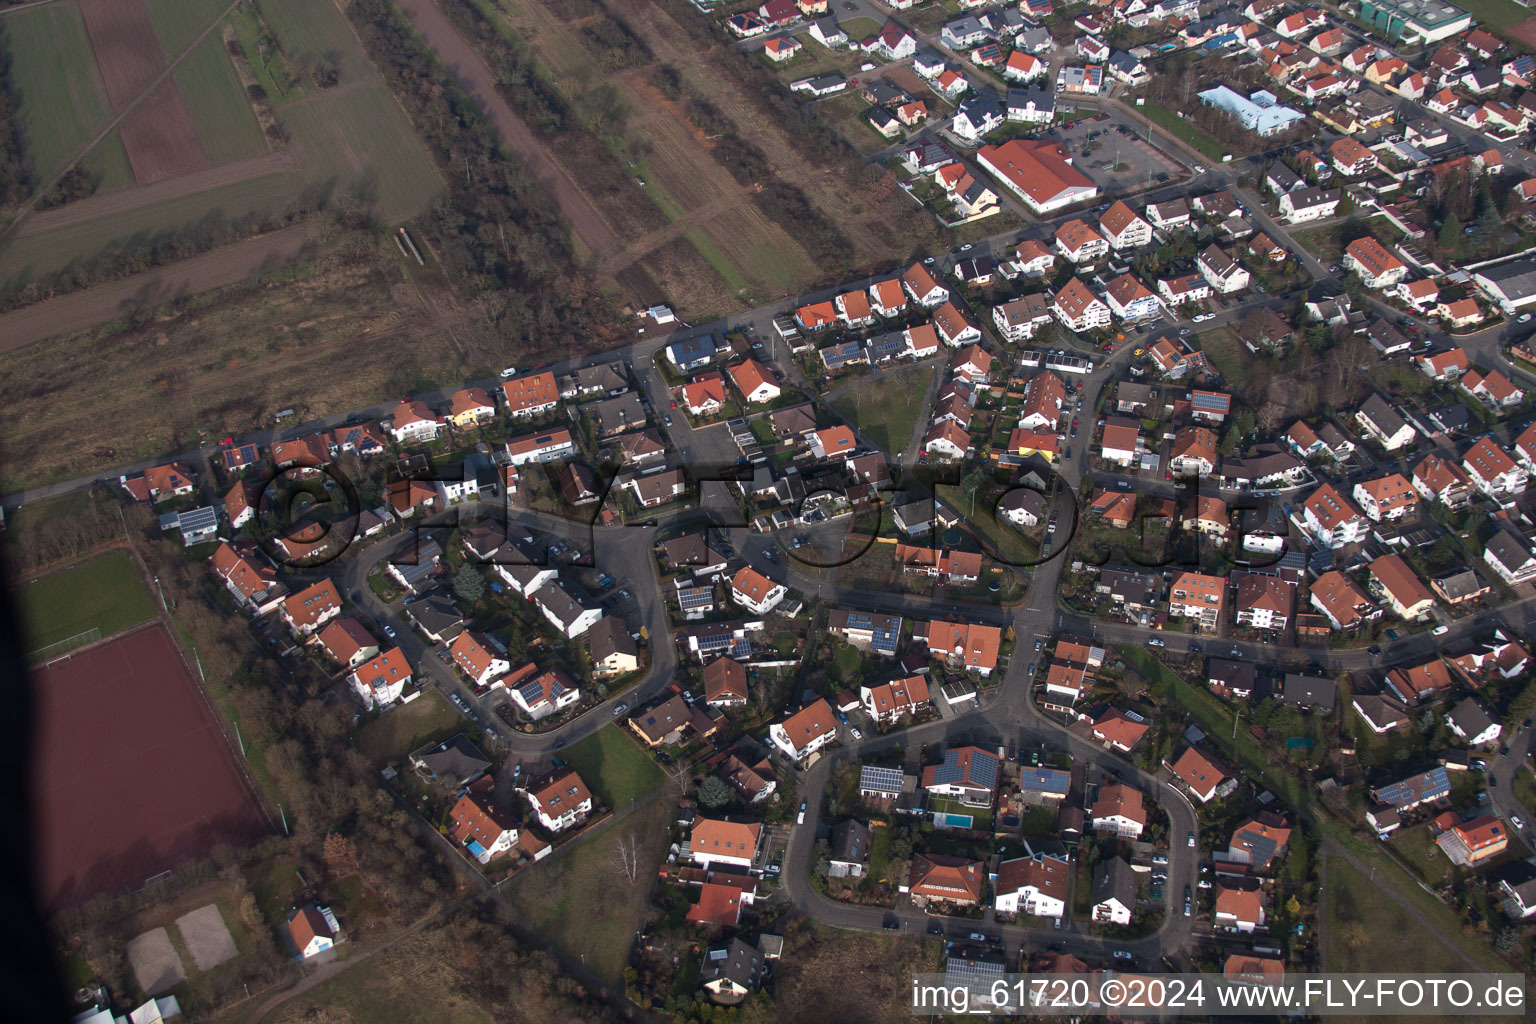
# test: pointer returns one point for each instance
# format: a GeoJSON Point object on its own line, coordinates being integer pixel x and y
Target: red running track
{"type": "Point", "coordinates": [132, 775]}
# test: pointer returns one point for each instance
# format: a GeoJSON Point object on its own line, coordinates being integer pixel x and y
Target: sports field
{"type": "Point", "coordinates": [132, 775]}
{"type": "Point", "coordinates": [105, 593]}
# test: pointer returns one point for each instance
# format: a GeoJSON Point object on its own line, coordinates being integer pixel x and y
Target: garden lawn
{"type": "Point", "coordinates": [396, 733]}
{"type": "Point", "coordinates": [1183, 130]}
{"type": "Point", "coordinates": [581, 899]}
{"type": "Point", "coordinates": [614, 767]}
{"type": "Point", "coordinates": [886, 409]}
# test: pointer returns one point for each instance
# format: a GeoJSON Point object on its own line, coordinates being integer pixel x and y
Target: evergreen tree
{"type": "Point", "coordinates": [713, 792]}
{"type": "Point", "coordinates": [468, 583]}
{"type": "Point", "coordinates": [1450, 231]}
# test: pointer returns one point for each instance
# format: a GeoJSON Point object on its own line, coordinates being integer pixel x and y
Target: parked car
{"type": "Point", "coordinates": [1191, 842]}
{"type": "Point", "coordinates": [1157, 642]}
{"type": "Point", "coordinates": [800, 818]}
{"type": "Point", "coordinates": [853, 731]}
{"type": "Point", "coordinates": [1440, 630]}
{"type": "Point", "coordinates": [510, 371]}
{"type": "Point", "coordinates": [619, 709]}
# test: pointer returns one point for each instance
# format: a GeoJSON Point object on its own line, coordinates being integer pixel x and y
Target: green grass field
{"type": "Point", "coordinates": [1182, 129]}
{"type": "Point", "coordinates": [886, 410]}
{"type": "Point", "coordinates": [1376, 945]}
{"type": "Point", "coordinates": [390, 737]}
{"type": "Point", "coordinates": [63, 102]}
{"type": "Point", "coordinates": [105, 593]}
{"type": "Point", "coordinates": [223, 115]}
{"type": "Point", "coordinates": [583, 902]}
{"type": "Point", "coordinates": [614, 767]}
{"type": "Point", "coordinates": [178, 22]}
{"type": "Point", "coordinates": [1497, 13]}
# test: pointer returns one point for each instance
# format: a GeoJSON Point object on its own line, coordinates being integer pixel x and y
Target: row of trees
{"type": "Point", "coordinates": [496, 229]}
{"type": "Point", "coordinates": [15, 171]}
{"type": "Point", "coordinates": [297, 741]}
{"type": "Point", "coordinates": [137, 254]}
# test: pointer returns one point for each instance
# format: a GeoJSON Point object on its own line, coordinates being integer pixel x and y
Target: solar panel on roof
{"type": "Point", "coordinates": [880, 778]}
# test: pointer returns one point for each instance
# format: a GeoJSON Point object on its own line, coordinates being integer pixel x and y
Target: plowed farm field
{"type": "Point", "coordinates": [159, 136]}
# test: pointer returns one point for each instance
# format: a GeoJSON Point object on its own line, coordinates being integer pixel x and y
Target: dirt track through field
{"type": "Point", "coordinates": [159, 136]}
{"type": "Point", "coordinates": [460, 58]}
{"type": "Point", "coordinates": [80, 310]}
{"type": "Point", "coordinates": [133, 197]}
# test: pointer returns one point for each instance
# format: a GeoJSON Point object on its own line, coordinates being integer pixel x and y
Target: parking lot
{"type": "Point", "coordinates": [1099, 144]}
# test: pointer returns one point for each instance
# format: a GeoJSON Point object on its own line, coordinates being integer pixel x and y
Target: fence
{"type": "Point", "coordinates": [52, 652]}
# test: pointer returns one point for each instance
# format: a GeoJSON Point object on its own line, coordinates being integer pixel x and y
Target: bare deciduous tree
{"type": "Point", "coordinates": [626, 854]}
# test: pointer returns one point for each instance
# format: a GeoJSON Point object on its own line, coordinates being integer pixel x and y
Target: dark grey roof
{"type": "Point", "coordinates": [610, 636]}
{"type": "Point", "coordinates": [1380, 412]}
{"type": "Point", "coordinates": [437, 616]}
{"type": "Point", "coordinates": [617, 413]}
{"type": "Point", "coordinates": [454, 762]}
{"type": "Point", "coordinates": [1114, 878]}
{"type": "Point", "coordinates": [850, 842]}
{"type": "Point", "coordinates": [736, 962]}
{"type": "Point", "coordinates": [1310, 691]}
{"type": "Point", "coordinates": [1469, 717]}
{"type": "Point", "coordinates": [1237, 675]}
{"type": "Point", "coordinates": [1460, 584]}
{"type": "Point", "coordinates": [1515, 279]}
{"type": "Point", "coordinates": [1512, 551]}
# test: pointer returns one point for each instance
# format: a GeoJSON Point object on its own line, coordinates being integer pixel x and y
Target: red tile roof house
{"type": "Point", "coordinates": [479, 659]}
{"type": "Point", "coordinates": [705, 395]}
{"type": "Point", "coordinates": [727, 843]}
{"type": "Point", "coordinates": [313, 930]}
{"type": "Point", "coordinates": [1239, 910]}
{"type": "Point", "coordinates": [1035, 885]}
{"type": "Point", "coordinates": [312, 608]}
{"type": "Point", "coordinates": [1445, 365]}
{"type": "Point", "coordinates": [718, 905]}
{"type": "Point", "coordinates": [485, 830]}
{"type": "Point", "coordinates": [381, 681]}
{"type": "Point", "coordinates": [806, 731]}
{"type": "Point", "coordinates": [945, 879]}
{"type": "Point", "coordinates": [1341, 599]}
{"type": "Point", "coordinates": [544, 694]}
{"type": "Point", "coordinates": [887, 297]}
{"type": "Point", "coordinates": [250, 581]}
{"type": "Point", "coordinates": [1492, 471]}
{"type": "Point", "coordinates": [306, 454]}
{"type": "Point", "coordinates": [1119, 811]}
{"type": "Point", "coordinates": [923, 288]}
{"type": "Point", "coordinates": [1377, 267]}
{"type": "Point", "coordinates": [756, 592]}
{"type": "Point", "coordinates": [347, 642]}
{"type": "Point", "coordinates": [157, 483]}
{"type": "Point", "coordinates": [1387, 498]}
{"type": "Point", "coordinates": [413, 421]}
{"type": "Point", "coordinates": [887, 702]}
{"type": "Point", "coordinates": [560, 801]}
{"type": "Point", "coordinates": [1493, 389]}
{"type": "Point", "coordinates": [530, 396]}
{"type": "Point", "coordinates": [1202, 778]}
{"type": "Point", "coordinates": [755, 382]}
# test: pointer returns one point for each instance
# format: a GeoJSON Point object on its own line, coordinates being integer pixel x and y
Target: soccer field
{"type": "Point", "coordinates": [105, 593]}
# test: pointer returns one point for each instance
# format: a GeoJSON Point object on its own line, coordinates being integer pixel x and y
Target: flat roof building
{"type": "Point", "coordinates": [1414, 21]}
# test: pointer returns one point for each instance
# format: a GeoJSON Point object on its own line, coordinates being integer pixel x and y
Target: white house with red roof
{"type": "Point", "coordinates": [756, 592]}
{"type": "Point", "coordinates": [806, 731]}
{"type": "Point", "coordinates": [560, 801]}
{"type": "Point", "coordinates": [1492, 471]}
{"type": "Point", "coordinates": [413, 421]}
{"type": "Point", "coordinates": [313, 930]}
{"type": "Point", "coordinates": [381, 681]}
{"type": "Point", "coordinates": [479, 658]}
{"type": "Point", "coordinates": [484, 829]}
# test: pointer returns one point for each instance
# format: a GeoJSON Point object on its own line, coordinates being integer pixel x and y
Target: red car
{"type": "Point", "coordinates": [674, 405]}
